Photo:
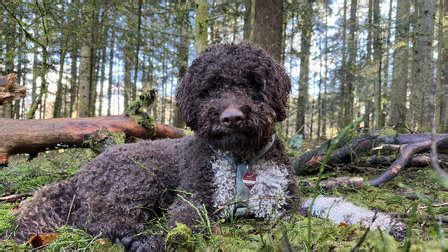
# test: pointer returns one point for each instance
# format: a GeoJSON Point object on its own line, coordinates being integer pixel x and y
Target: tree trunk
{"type": "Point", "coordinates": [443, 68]}
{"type": "Point", "coordinates": [35, 75]}
{"type": "Point", "coordinates": [102, 78]}
{"type": "Point", "coordinates": [43, 86]}
{"type": "Point", "coordinates": [201, 26]}
{"type": "Point", "coordinates": [424, 63]}
{"type": "Point", "coordinates": [343, 95]}
{"type": "Point", "coordinates": [3, 13]}
{"type": "Point", "coordinates": [84, 81]}
{"type": "Point", "coordinates": [305, 38]}
{"type": "Point", "coordinates": [163, 95]}
{"type": "Point", "coordinates": [127, 77]}
{"type": "Point", "coordinates": [386, 79]}
{"type": "Point", "coordinates": [378, 54]}
{"type": "Point", "coordinates": [94, 71]}
{"type": "Point", "coordinates": [73, 79]}
{"type": "Point", "coordinates": [137, 48]}
{"type": "Point", "coordinates": [400, 77]}
{"type": "Point", "coordinates": [267, 26]}
{"type": "Point", "coordinates": [348, 115]}
{"type": "Point", "coordinates": [324, 100]}
{"type": "Point", "coordinates": [57, 109]}
{"type": "Point", "coordinates": [182, 56]}
{"type": "Point", "coordinates": [413, 99]}
{"type": "Point", "coordinates": [247, 28]}
{"type": "Point", "coordinates": [9, 59]}
{"type": "Point", "coordinates": [21, 68]}
{"type": "Point", "coordinates": [111, 67]}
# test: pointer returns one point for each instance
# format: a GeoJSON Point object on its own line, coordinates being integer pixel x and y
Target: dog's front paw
{"type": "Point", "coordinates": [138, 244]}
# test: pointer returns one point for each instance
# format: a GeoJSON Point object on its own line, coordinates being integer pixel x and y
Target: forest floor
{"type": "Point", "coordinates": [415, 197]}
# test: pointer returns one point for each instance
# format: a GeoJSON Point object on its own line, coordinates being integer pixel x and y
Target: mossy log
{"type": "Point", "coordinates": [351, 151]}
{"type": "Point", "coordinates": [34, 136]}
{"type": "Point", "coordinates": [8, 89]}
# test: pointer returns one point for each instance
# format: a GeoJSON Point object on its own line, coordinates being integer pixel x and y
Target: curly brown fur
{"type": "Point", "coordinates": [242, 74]}
{"type": "Point", "coordinates": [120, 191]}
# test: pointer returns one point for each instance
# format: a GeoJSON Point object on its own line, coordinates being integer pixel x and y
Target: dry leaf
{"type": "Point", "coordinates": [41, 240]}
{"type": "Point", "coordinates": [343, 225]}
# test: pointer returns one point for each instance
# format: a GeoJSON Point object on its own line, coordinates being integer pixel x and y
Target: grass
{"type": "Point", "coordinates": [415, 196]}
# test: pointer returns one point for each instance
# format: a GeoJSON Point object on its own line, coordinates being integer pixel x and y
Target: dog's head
{"type": "Point", "coordinates": [232, 95]}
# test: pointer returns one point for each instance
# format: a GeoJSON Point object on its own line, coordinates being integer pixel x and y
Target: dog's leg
{"type": "Point", "coordinates": [48, 209]}
{"type": "Point", "coordinates": [149, 243]}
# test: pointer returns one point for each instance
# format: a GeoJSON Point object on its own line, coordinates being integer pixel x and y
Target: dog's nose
{"type": "Point", "coordinates": [231, 117]}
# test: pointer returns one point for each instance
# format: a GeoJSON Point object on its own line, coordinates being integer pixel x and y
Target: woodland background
{"type": "Point", "coordinates": [378, 63]}
{"type": "Point", "coordinates": [378, 60]}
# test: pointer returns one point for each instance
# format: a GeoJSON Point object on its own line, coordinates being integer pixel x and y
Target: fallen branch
{"type": "Point", "coordinates": [408, 145]}
{"type": "Point", "coordinates": [330, 183]}
{"type": "Point", "coordinates": [33, 136]}
{"type": "Point", "coordinates": [8, 89]}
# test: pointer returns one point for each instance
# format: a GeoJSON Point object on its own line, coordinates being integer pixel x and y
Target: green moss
{"type": "Point", "coordinates": [387, 132]}
{"type": "Point", "coordinates": [71, 239]}
{"type": "Point", "coordinates": [6, 217]}
{"type": "Point", "coordinates": [104, 138]}
{"type": "Point", "coordinates": [414, 186]}
{"type": "Point", "coordinates": [22, 176]}
{"type": "Point", "coordinates": [251, 235]}
{"type": "Point", "coordinates": [180, 237]}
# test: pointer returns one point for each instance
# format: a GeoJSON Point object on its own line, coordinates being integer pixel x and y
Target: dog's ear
{"type": "Point", "coordinates": [280, 88]}
{"type": "Point", "coordinates": [185, 100]}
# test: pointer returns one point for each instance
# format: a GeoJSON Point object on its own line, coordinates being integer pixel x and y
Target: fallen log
{"type": "Point", "coordinates": [407, 145]}
{"type": "Point", "coordinates": [34, 136]}
{"type": "Point", "coordinates": [8, 89]}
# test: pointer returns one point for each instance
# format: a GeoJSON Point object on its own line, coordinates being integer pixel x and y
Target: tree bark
{"type": "Point", "coordinates": [57, 108]}
{"type": "Point", "coordinates": [442, 107]}
{"type": "Point", "coordinates": [343, 70]}
{"type": "Point", "coordinates": [378, 54]}
{"type": "Point", "coordinates": [84, 81]}
{"type": "Point", "coordinates": [201, 26]}
{"type": "Point", "coordinates": [424, 63]}
{"type": "Point", "coordinates": [137, 48]}
{"type": "Point", "coordinates": [102, 79]}
{"type": "Point", "coordinates": [9, 59]}
{"type": "Point", "coordinates": [267, 26]}
{"type": "Point", "coordinates": [400, 77]}
{"type": "Point", "coordinates": [305, 38]}
{"type": "Point", "coordinates": [33, 136]}
{"type": "Point", "coordinates": [182, 55]}
{"type": "Point", "coordinates": [127, 76]}
{"type": "Point", "coordinates": [348, 115]}
{"type": "Point", "coordinates": [111, 66]}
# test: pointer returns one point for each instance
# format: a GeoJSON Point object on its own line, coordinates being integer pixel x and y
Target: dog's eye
{"type": "Point", "coordinates": [203, 94]}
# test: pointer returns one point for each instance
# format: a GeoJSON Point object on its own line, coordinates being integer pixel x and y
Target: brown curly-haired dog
{"type": "Point", "coordinates": [231, 96]}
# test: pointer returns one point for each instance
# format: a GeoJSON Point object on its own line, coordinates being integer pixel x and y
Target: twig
{"type": "Point", "coordinates": [14, 197]}
{"type": "Point", "coordinates": [70, 209]}
{"type": "Point", "coordinates": [364, 236]}
{"type": "Point", "coordinates": [437, 205]}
